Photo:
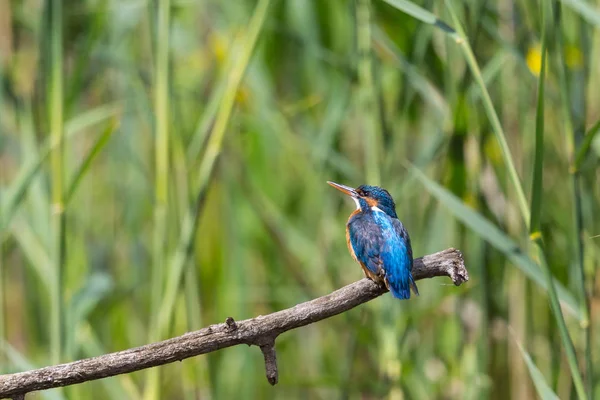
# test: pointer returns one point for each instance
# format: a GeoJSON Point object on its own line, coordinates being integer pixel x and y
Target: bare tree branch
{"type": "Point", "coordinates": [260, 331]}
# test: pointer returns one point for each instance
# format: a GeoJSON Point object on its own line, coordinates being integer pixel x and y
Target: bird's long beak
{"type": "Point", "coordinates": [344, 189]}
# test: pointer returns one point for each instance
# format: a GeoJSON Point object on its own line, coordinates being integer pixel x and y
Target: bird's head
{"type": "Point", "coordinates": [367, 197]}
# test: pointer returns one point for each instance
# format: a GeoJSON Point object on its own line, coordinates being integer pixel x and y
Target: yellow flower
{"type": "Point", "coordinates": [218, 45]}
{"type": "Point", "coordinates": [572, 54]}
{"type": "Point", "coordinates": [534, 59]}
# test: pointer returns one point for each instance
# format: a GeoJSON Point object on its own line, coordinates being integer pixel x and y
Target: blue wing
{"type": "Point", "coordinates": [382, 245]}
{"type": "Point", "coordinates": [402, 233]}
{"type": "Point", "coordinates": [364, 242]}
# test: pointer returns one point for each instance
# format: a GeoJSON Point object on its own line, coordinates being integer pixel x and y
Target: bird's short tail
{"type": "Point", "coordinates": [400, 288]}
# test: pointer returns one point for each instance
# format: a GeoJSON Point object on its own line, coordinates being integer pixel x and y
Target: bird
{"type": "Point", "coordinates": [378, 240]}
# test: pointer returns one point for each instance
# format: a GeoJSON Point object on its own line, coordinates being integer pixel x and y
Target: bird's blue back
{"type": "Point", "coordinates": [382, 245]}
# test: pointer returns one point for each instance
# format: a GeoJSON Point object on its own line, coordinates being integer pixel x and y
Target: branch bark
{"type": "Point", "coordinates": [260, 331]}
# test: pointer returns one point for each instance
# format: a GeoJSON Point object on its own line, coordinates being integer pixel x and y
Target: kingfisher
{"type": "Point", "coordinates": [378, 241]}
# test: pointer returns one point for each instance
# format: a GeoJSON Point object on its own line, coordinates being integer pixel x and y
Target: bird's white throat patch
{"type": "Point", "coordinates": [374, 208]}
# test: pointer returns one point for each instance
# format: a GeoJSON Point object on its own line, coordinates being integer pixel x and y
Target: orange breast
{"type": "Point", "coordinates": [352, 253]}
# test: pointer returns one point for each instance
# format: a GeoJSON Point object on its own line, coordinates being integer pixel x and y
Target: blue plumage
{"type": "Point", "coordinates": [378, 240]}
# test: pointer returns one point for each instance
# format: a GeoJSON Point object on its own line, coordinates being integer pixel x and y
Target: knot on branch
{"type": "Point", "coordinates": [231, 325]}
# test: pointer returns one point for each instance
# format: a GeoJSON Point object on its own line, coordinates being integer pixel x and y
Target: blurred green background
{"type": "Point", "coordinates": [163, 167]}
